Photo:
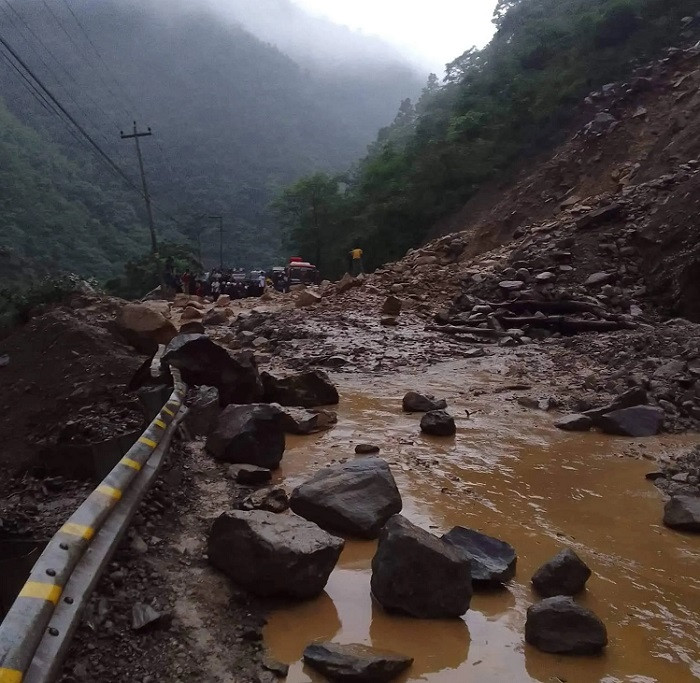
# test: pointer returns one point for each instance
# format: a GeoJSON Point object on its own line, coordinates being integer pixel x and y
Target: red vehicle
{"type": "Point", "coordinates": [300, 272]}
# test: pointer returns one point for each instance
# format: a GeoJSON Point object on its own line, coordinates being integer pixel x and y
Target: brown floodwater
{"type": "Point", "coordinates": [507, 473]}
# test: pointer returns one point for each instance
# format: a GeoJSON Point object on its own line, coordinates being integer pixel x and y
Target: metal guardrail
{"type": "Point", "coordinates": [49, 604]}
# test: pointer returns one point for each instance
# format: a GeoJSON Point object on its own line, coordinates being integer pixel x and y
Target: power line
{"type": "Point", "coordinates": [51, 72]}
{"type": "Point", "coordinates": [83, 55]}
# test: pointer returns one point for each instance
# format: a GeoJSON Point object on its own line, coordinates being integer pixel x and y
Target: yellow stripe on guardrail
{"type": "Point", "coordinates": [148, 442]}
{"type": "Point", "coordinates": [41, 591]}
{"type": "Point", "coordinates": [86, 532]}
{"type": "Point", "coordinates": [10, 676]}
{"type": "Point", "coordinates": [128, 462]}
{"type": "Point", "coordinates": [109, 491]}
{"type": "Point", "coordinates": [169, 412]}
{"type": "Point", "coordinates": [160, 423]}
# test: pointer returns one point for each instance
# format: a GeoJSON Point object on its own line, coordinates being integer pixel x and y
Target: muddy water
{"type": "Point", "coordinates": [507, 473]}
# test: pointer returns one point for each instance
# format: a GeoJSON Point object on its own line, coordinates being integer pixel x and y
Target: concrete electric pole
{"type": "Point", "coordinates": [136, 135]}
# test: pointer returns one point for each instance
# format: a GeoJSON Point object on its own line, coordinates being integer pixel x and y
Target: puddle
{"type": "Point", "coordinates": [510, 474]}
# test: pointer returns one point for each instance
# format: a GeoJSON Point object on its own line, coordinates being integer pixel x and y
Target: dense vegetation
{"type": "Point", "coordinates": [234, 119]}
{"type": "Point", "coordinates": [496, 106]}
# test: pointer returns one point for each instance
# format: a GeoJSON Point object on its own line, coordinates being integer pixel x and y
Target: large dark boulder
{"type": "Point", "coordinates": [413, 402]}
{"type": "Point", "coordinates": [635, 396]}
{"type": "Point", "coordinates": [565, 574]}
{"type": "Point", "coordinates": [273, 555]}
{"type": "Point", "coordinates": [355, 498]}
{"type": "Point", "coordinates": [635, 421]}
{"type": "Point", "coordinates": [355, 663]}
{"type": "Point", "coordinates": [561, 626]}
{"type": "Point", "coordinates": [438, 423]}
{"type": "Point", "coordinates": [419, 574]}
{"type": "Point", "coordinates": [574, 423]}
{"type": "Point", "coordinates": [307, 389]}
{"type": "Point", "coordinates": [683, 513]}
{"type": "Point", "coordinates": [202, 362]}
{"type": "Point", "coordinates": [492, 560]}
{"type": "Point", "coordinates": [250, 434]}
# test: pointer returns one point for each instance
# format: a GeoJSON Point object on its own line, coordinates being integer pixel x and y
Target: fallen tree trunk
{"type": "Point", "coordinates": [557, 307]}
{"type": "Point", "coordinates": [566, 325]}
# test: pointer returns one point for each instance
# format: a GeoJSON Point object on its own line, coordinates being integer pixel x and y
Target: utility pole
{"type": "Point", "coordinates": [136, 135]}
{"type": "Point", "coordinates": [221, 239]}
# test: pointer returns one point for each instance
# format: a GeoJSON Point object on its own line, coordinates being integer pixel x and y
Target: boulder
{"type": "Point", "coordinates": [635, 421]}
{"type": "Point", "coordinates": [250, 434]}
{"type": "Point", "coordinates": [302, 421]}
{"type": "Point", "coordinates": [355, 663]}
{"type": "Point", "coordinates": [391, 306]}
{"type": "Point", "coordinates": [144, 328]}
{"type": "Point", "coordinates": [216, 316]}
{"type": "Point", "coordinates": [203, 410]}
{"type": "Point", "coordinates": [273, 499]}
{"type": "Point", "coordinates": [223, 301]}
{"type": "Point", "coordinates": [683, 513]}
{"type": "Point", "coordinates": [599, 216]}
{"type": "Point", "coordinates": [598, 279]}
{"type": "Point", "coordinates": [366, 449]}
{"type": "Point", "coordinates": [307, 298]}
{"type": "Point", "coordinates": [356, 497]}
{"type": "Point", "coordinates": [511, 285]}
{"type": "Point", "coordinates": [202, 362]}
{"type": "Point", "coordinates": [561, 626]}
{"type": "Point", "coordinates": [192, 327]}
{"type": "Point", "coordinates": [492, 560]}
{"type": "Point", "coordinates": [632, 397]}
{"type": "Point", "coordinates": [347, 282]}
{"type": "Point", "coordinates": [565, 574]}
{"type": "Point", "coordinates": [249, 475]}
{"type": "Point", "coordinates": [191, 313]}
{"type": "Point", "coordinates": [307, 389]}
{"type": "Point", "coordinates": [273, 555]}
{"type": "Point", "coordinates": [389, 321]}
{"type": "Point", "coordinates": [419, 574]}
{"type": "Point", "coordinates": [438, 423]}
{"type": "Point", "coordinates": [574, 423]}
{"type": "Point", "coordinates": [413, 402]}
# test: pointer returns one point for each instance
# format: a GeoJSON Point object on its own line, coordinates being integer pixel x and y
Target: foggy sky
{"type": "Point", "coordinates": [432, 32]}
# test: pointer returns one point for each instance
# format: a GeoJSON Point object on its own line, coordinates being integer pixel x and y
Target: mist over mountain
{"type": "Point", "coordinates": [235, 116]}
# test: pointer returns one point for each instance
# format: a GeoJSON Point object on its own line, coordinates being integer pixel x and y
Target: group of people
{"type": "Point", "coordinates": [232, 281]}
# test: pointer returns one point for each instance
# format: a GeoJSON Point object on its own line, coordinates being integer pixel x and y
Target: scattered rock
{"type": "Point", "coordinates": [192, 327]}
{"type": "Point", "coordinates": [389, 321]}
{"type": "Point", "coordinates": [203, 411]}
{"type": "Point", "coordinates": [598, 279]}
{"type": "Point", "coordinates": [248, 434]}
{"type": "Point", "coordinates": [144, 328]}
{"type": "Point", "coordinates": [414, 402]}
{"type": "Point", "coordinates": [249, 475]}
{"type": "Point", "coordinates": [273, 555]}
{"type": "Point", "coordinates": [511, 285]}
{"type": "Point", "coordinates": [191, 313]}
{"type": "Point", "coordinates": [392, 306]}
{"type": "Point", "coordinates": [216, 316]}
{"type": "Point", "coordinates": [355, 663]}
{"type": "Point", "coordinates": [301, 421]}
{"type": "Point", "coordinates": [438, 423]}
{"type": "Point", "coordinates": [307, 389]}
{"type": "Point", "coordinates": [416, 573]}
{"type": "Point", "coordinates": [683, 513]}
{"type": "Point", "coordinates": [273, 499]}
{"type": "Point", "coordinates": [307, 298]}
{"type": "Point", "coordinates": [598, 216]}
{"type": "Point", "coordinates": [635, 421]}
{"type": "Point", "coordinates": [565, 574]}
{"type": "Point", "coordinates": [561, 626]}
{"type": "Point", "coordinates": [202, 362]}
{"type": "Point", "coordinates": [279, 669]}
{"type": "Point", "coordinates": [366, 449]}
{"type": "Point", "coordinates": [347, 282]}
{"type": "Point", "coordinates": [492, 560]}
{"type": "Point", "coordinates": [356, 497]}
{"type": "Point", "coordinates": [144, 617]}
{"type": "Point", "coordinates": [574, 423]}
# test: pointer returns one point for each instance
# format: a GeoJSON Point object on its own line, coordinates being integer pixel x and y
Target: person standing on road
{"type": "Point", "coordinates": [356, 256]}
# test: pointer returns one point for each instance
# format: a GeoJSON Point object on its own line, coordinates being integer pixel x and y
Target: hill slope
{"type": "Point", "coordinates": [233, 117]}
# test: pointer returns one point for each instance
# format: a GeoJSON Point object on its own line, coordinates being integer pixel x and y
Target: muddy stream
{"type": "Point", "coordinates": [510, 474]}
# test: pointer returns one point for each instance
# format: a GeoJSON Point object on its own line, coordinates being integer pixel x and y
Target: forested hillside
{"type": "Point", "coordinates": [497, 108]}
{"type": "Point", "coordinates": [233, 120]}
